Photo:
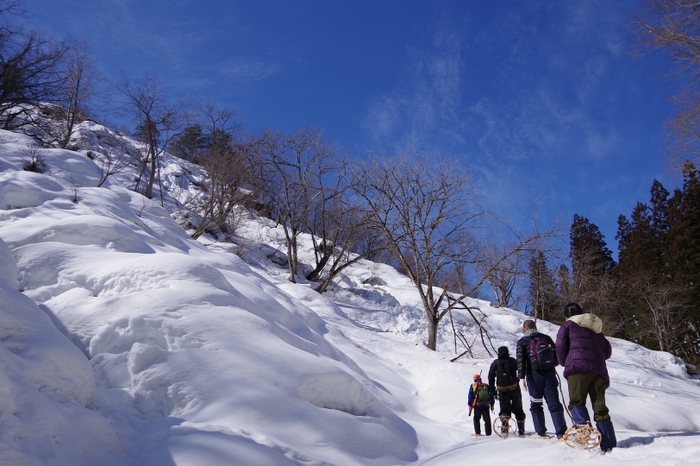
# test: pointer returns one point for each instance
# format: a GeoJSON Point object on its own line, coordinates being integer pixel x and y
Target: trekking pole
{"type": "Point", "coordinates": [566, 406]}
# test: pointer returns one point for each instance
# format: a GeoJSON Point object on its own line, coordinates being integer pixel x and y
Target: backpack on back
{"type": "Point", "coordinates": [541, 353]}
{"type": "Point", "coordinates": [482, 396]}
{"type": "Point", "coordinates": [505, 368]}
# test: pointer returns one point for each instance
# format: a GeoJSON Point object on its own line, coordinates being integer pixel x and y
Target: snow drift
{"type": "Point", "coordinates": [124, 341]}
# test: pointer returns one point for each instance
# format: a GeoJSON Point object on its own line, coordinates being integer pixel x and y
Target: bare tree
{"type": "Point", "coordinates": [427, 214]}
{"type": "Point", "coordinates": [296, 169]}
{"type": "Point", "coordinates": [9, 7]}
{"type": "Point", "coordinates": [661, 310]}
{"type": "Point", "coordinates": [158, 120]}
{"type": "Point", "coordinates": [219, 124]}
{"type": "Point", "coordinates": [342, 234]}
{"type": "Point", "coordinates": [113, 156]}
{"type": "Point", "coordinates": [226, 157]}
{"type": "Point", "coordinates": [29, 69]}
{"type": "Point", "coordinates": [598, 292]}
{"type": "Point", "coordinates": [326, 224]}
{"type": "Point", "coordinates": [672, 26]}
{"type": "Point", "coordinates": [501, 274]}
{"type": "Point", "coordinates": [433, 223]}
{"type": "Point", "coordinates": [478, 319]}
{"type": "Point", "coordinates": [81, 80]}
{"type": "Point", "coordinates": [227, 169]}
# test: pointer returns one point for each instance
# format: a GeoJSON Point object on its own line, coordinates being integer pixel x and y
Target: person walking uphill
{"type": "Point", "coordinates": [504, 383]}
{"type": "Point", "coordinates": [480, 400]}
{"type": "Point", "coordinates": [537, 359]}
{"type": "Point", "coordinates": [583, 349]}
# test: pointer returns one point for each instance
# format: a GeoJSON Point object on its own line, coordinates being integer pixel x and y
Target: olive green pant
{"type": "Point", "coordinates": [585, 384]}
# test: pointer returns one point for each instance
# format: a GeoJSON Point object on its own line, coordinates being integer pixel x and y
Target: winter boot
{"type": "Point", "coordinates": [521, 427]}
{"type": "Point", "coordinates": [608, 441]}
{"type": "Point", "coordinates": [580, 415]}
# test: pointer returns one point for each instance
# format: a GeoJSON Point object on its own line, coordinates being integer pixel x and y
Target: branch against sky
{"type": "Point", "coordinates": [521, 94]}
{"type": "Point", "coordinates": [539, 98]}
{"type": "Point", "coordinates": [429, 213]}
{"type": "Point", "coordinates": [671, 27]}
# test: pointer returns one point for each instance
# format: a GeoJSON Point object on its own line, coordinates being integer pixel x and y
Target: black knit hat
{"type": "Point", "coordinates": [572, 309]}
{"type": "Point", "coordinates": [503, 351]}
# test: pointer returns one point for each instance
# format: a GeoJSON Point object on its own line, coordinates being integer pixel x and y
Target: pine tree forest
{"type": "Point", "coordinates": [651, 294]}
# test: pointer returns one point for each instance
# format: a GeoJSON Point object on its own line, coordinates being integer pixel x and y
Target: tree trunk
{"type": "Point", "coordinates": [316, 273]}
{"type": "Point", "coordinates": [432, 333]}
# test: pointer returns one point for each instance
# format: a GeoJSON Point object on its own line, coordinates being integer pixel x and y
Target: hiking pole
{"type": "Point", "coordinates": [583, 436]}
{"type": "Point", "coordinates": [566, 406]}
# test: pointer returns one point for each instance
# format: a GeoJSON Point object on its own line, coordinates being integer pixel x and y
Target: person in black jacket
{"type": "Point", "coordinates": [503, 380]}
{"type": "Point", "coordinates": [540, 379]}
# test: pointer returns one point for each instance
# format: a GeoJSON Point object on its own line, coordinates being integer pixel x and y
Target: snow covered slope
{"type": "Point", "coordinates": [132, 343]}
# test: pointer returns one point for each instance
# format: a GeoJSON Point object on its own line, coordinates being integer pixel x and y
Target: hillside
{"type": "Point", "coordinates": [125, 341]}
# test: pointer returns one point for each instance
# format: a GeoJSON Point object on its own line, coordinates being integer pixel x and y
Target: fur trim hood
{"type": "Point", "coordinates": [588, 320]}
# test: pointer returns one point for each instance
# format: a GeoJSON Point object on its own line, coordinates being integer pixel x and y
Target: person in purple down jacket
{"type": "Point", "coordinates": [583, 349]}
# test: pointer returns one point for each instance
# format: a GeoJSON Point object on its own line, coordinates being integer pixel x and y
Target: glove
{"type": "Point", "coordinates": [495, 396]}
{"type": "Point", "coordinates": [470, 411]}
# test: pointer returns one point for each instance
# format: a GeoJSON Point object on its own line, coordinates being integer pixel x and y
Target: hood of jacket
{"type": "Point", "coordinates": [588, 320]}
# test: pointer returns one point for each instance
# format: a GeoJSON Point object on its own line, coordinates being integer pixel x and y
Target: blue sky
{"type": "Point", "coordinates": [542, 100]}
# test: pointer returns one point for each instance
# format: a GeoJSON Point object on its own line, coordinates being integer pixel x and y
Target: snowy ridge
{"type": "Point", "coordinates": [131, 343]}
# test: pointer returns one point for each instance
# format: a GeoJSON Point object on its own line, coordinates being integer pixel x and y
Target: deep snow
{"type": "Point", "coordinates": [124, 341]}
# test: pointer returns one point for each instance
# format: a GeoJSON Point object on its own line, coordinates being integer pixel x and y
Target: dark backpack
{"type": "Point", "coordinates": [482, 396]}
{"type": "Point", "coordinates": [541, 353]}
{"type": "Point", "coordinates": [505, 368]}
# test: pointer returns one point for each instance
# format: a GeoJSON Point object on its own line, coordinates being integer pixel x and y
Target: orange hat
{"type": "Point", "coordinates": [477, 377]}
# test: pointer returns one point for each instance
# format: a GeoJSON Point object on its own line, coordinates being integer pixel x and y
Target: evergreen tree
{"type": "Point", "coordinates": [589, 253]}
{"type": "Point", "coordinates": [543, 294]}
{"type": "Point", "coordinates": [564, 285]}
{"type": "Point", "coordinates": [190, 144]}
{"type": "Point", "coordinates": [592, 281]}
{"type": "Point", "coordinates": [659, 207]}
{"type": "Point", "coordinates": [683, 253]}
{"type": "Point", "coordinates": [639, 242]}
{"type": "Point", "coordinates": [657, 273]}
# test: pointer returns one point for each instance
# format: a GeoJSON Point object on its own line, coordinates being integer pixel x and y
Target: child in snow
{"type": "Point", "coordinates": [480, 400]}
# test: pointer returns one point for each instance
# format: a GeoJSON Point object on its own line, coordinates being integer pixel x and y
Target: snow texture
{"type": "Point", "coordinates": [124, 341]}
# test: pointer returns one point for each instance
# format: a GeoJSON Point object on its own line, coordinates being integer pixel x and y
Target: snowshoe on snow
{"type": "Point", "coordinates": [503, 427]}
{"type": "Point", "coordinates": [582, 436]}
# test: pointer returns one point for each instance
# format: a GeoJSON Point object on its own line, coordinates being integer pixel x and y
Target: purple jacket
{"type": "Point", "coordinates": [582, 347]}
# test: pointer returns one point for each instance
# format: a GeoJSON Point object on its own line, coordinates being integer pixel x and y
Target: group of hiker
{"type": "Point", "coordinates": [581, 348]}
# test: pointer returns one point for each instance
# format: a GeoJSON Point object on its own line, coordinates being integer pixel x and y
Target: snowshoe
{"type": "Point", "coordinates": [503, 427]}
{"type": "Point", "coordinates": [582, 436]}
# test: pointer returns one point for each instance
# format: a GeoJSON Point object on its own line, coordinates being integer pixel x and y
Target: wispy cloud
{"type": "Point", "coordinates": [549, 108]}
{"type": "Point", "coordinates": [247, 70]}
{"type": "Point", "coordinates": [426, 106]}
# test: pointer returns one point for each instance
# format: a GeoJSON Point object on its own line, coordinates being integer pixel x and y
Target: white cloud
{"type": "Point", "coordinates": [425, 108]}
{"type": "Point", "coordinates": [248, 70]}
